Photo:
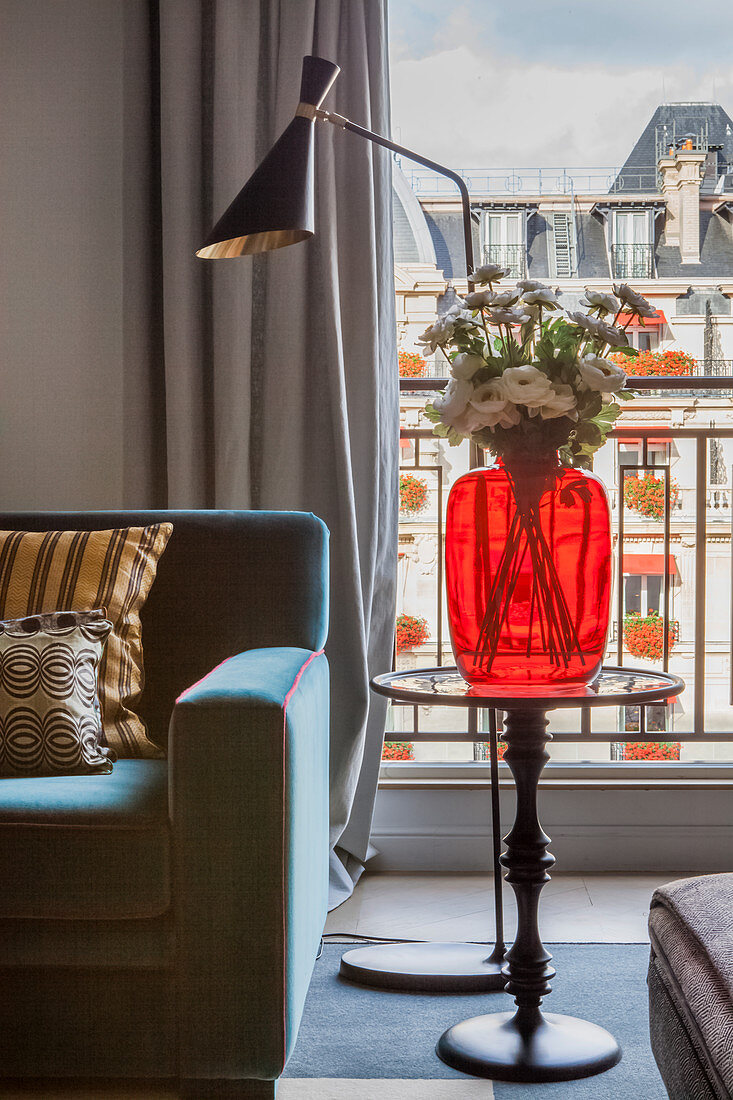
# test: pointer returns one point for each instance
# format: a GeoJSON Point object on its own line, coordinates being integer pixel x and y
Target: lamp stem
{"type": "Point", "coordinates": [345, 124]}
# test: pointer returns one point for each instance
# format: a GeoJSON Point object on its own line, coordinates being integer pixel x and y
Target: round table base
{"type": "Point", "coordinates": [558, 1048]}
{"type": "Point", "coordinates": [429, 967]}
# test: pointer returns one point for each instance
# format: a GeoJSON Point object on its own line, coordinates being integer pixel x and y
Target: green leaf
{"type": "Point", "coordinates": [432, 413]}
{"type": "Point", "coordinates": [588, 432]}
{"type": "Point", "coordinates": [628, 351]}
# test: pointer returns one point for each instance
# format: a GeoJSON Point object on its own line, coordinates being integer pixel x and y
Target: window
{"type": "Point", "coordinates": [643, 594]}
{"type": "Point", "coordinates": [632, 253]}
{"type": "Point", "coordinates": [502, 241]}
{"type": "Point", "coordinates": [631, 452]}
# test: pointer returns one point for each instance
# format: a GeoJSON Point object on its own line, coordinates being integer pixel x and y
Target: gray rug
{"type": "Point", "coordinates": [363, 1044]}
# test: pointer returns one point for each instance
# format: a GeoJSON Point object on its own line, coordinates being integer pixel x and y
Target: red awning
{"type": "Point", "coordinates": [649, 564]}
{"type": "Point", "coordinates": [405, 443]}
{"type": "Point", "coordinates": [658, 319]}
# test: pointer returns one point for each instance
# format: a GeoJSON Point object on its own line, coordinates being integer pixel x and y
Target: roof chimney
{"type": "Point", "coordinates": [682, 170]}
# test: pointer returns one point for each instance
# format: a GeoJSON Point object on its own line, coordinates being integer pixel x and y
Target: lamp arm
{"type": "Point", "coordinates": [345, 124]}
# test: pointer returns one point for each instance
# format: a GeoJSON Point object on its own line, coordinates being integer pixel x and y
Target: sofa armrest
{"type": "Point", "coordinates": [249, 815]}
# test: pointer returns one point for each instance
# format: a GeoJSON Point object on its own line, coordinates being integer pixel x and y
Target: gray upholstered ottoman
{"type": "Point", "coordinates": [691, 986]}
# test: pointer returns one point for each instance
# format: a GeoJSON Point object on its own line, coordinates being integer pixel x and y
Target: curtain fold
{"type": "Point", "coordinates": [270, 382]}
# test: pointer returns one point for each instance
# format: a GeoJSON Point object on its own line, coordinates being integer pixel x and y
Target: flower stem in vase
{"type": "Point", "coordinates": [547, 601]}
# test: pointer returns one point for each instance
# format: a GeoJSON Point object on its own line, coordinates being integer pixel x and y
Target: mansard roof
{"type": "Point", "coordinates": [673, 121]}
{"type": "Point", "coordinates": [425, 233]}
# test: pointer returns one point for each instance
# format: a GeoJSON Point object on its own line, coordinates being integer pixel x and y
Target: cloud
{"type": "Point", "coordinates": [628, 33]}
{"type": "Point", "coordinates": [467, 104]}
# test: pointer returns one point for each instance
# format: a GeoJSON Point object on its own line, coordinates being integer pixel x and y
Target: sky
{"type": "Point", "coordinates": [546, 83]}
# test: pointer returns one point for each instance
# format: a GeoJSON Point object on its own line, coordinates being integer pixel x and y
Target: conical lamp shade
{"type": "Point", "coordinates": [275, 206]}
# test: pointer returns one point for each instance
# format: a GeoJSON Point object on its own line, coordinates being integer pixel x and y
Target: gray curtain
{"type": "Point", "coordinates": [270, 382]}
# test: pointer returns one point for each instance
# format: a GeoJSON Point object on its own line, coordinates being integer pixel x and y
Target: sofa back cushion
{"type": "Point", "coordinates": [228, 581]}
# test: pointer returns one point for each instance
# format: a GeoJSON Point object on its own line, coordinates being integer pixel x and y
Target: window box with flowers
{"type": "Point", "coordinates": [644, 635]}
{"type": "Point", "coordinates": [410, 633]}
{"type": "Point", "coordinates": [645, 495]}
{"type": "Point", "coordinates": [669, 364]}
{"type": "Point", "coordinates": [411, 364]}
{"type": "Point", "coordinates": [413, 495]}
{"type": "Point", "coordinates": [398, 750]}
{"type": "Point", "coordinates": [652, 750]}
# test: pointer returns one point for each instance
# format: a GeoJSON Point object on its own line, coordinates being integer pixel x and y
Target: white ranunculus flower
{"type": "Point", "coordinates": [601, 374]}
{"type": "Point", "coordinates": [467, 422]}
{"type": "Point", "coordinates": [562, 403]}
{"type": "Point", "coordinates": [438, 334]}
{"type": "Point", "coordinates": [453, 400]}
{"type": "Point", "coordinates": [516, 316]}
{"type": "Point", "coordinates": [596, 299]}
{"type": "Point", "coordinates": [465, 365]}
{"type": "Point", "coordinates": [489, 273]}
{"type": "Point", "coordinates": [530, 285]}
{"type": "Point", "coordinates": [477, 299]}
{"type": "Point", "coordinates": [490, 404]}
{"type": "Point", "coordinates": [526, 386]}
{"type": "Point", "coordinates": [637, 303]}
{"type": "Point", "coordinates": [545, 298]}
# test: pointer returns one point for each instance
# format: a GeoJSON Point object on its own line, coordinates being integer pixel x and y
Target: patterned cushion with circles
{"type": "Point", "coordinates": [50, 718]}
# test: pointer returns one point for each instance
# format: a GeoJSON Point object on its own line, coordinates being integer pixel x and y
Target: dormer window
{"type": "Point", "coordinates": [632, 252]}
{"type": "Point", "coordinates": [503, 241]}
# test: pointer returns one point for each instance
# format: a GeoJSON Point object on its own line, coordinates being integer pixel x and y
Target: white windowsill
{"type": "Point", "coordinates": [622, 775]}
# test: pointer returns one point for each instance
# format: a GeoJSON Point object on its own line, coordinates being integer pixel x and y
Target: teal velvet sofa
{"type": "Point", "coordinates": [163, 921]}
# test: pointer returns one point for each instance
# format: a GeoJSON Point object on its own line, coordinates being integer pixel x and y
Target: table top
{"type": "Point", "coordinates": [612, 687]}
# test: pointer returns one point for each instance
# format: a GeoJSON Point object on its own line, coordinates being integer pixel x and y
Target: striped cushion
{"type": "Point", "coordinates": [45, 571]}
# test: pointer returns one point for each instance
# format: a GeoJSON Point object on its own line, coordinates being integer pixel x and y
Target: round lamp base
{"type": "Point", "coordinates": [558, 1048]}
{"type": "Point", "coordinates": [425, 967]}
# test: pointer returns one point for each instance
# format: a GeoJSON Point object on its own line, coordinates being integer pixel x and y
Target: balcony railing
{"type": "Point", "coordinates": [512, 256]}
{"type": "Point", "coordinates": [537, 181]}
{"type": "Point", "coordinates": [632, 261]}
{"type": "Point", "coordinates": [706, 516]}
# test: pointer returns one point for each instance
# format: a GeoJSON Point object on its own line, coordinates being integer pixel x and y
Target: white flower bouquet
{"type": "Point", "coordinates": [526, 380]}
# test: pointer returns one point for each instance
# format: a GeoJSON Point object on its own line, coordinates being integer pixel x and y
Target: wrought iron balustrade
{"type": "Point", "coordinates": [632, 261]}
{"type": "Point", "coordinates": [511, 256]}
{"type": "Point", "coordinates": [705, 505]}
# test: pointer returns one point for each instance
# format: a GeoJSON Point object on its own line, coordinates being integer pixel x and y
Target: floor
{"type": "Point", "coordinates": [574, 909]}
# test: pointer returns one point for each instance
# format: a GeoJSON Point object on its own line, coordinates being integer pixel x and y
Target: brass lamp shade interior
{"type": "Point", "coordinates": [275, 206]}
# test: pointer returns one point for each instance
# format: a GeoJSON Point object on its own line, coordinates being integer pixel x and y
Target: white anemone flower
{"type": "Point", "coordinates": [504, 298]}
{"type": "Point", "coordinates": [562, 403]}
{"type": "Point", "coordinates": [490, 273]}
{"type": "Point", "coordinates": [596, 299]}
{"type": "Point", "coordinates": [438, 334]}
{"type": "Point", "coordinates": [637, 303]}
{"type": "Point", "coordinates": [527, 386]}
{"type": "Point", "coordinates": [516, 316]}
{"type": "Point", "coordinates": [601, 374]}
{"type": "Point", "coordinates": [526, 286]}
{"type": "Point", "coordinates": [598, 328]}
{"type": "Point", "coordinates": [544, 298]}
{"type": "Point", "coordinates": [478, 299]}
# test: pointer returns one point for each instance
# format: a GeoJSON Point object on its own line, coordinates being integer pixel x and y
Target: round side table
{"type": "Point", "coordinates": [528, 1045]}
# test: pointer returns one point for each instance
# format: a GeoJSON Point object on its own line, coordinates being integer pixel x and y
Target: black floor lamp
{"type": "Point", "coordinates": [275, 208]}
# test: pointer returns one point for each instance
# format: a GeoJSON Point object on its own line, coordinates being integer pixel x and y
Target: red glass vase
{"type": "Point", "coordinates": [528, 574]}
